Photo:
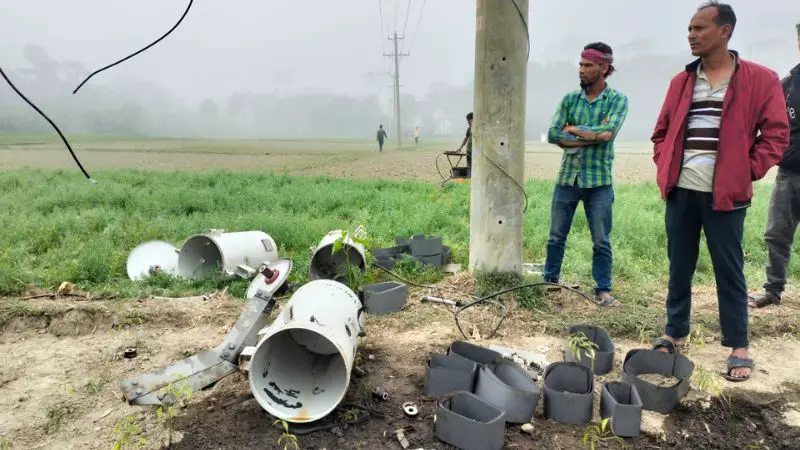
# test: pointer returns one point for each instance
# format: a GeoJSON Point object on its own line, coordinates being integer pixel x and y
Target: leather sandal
{"type": "Point", "coordinates": [664, 343]}
{"type": "Point", "coordinates": [734, 362]}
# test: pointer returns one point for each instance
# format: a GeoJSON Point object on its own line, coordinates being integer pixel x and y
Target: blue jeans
{"type": "Point", "coordinates": [597, 202]}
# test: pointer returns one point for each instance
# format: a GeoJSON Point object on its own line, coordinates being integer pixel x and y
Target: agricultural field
{"type": "Point", "coordinates": [61, 353]}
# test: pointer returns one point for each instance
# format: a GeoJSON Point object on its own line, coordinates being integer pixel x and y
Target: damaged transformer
{"type": "Point", "coordinates": [298, 365]}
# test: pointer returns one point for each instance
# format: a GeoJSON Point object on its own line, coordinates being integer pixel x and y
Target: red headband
{"type": "Point", "coordinates": [598, 57]}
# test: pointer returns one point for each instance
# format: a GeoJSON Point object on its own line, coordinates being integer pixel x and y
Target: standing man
{"type": "Point", "coordinates": [468, 142]}
{"type": "Point", "coordinates": [585, 125]}
{"type": "Point", "coordinates": [784, 207]}
{"type": "Point", "coordinates": [708, 151]}
{"type": "Point", "coordinates": [381, 137]}
{"type": "Point", "coordinates": [416, 136]}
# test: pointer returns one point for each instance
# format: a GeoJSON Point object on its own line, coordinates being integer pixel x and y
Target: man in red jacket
{"type": "Point", "coordinates": [722, 126]}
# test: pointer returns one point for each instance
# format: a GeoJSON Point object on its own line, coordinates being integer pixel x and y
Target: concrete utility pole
{"type": "Point", "coordinates": [396, 55]}
{"type": "Point", "coordinates": [498, 130]}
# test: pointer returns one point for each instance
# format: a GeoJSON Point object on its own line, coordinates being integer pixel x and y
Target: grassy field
{"type": "Point", "coordinates": [61, 228]}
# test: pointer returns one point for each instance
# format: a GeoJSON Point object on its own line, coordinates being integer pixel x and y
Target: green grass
{"type": "Point", "coordinates": [58, 227]}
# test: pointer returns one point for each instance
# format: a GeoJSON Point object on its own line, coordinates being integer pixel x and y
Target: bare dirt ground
{"type": "Point", "coordinates": [355, 159]}
{"type": "Point", "coordinates": [60, 370]}
{"type": "Point", "coordinates": [337, 158]}
{"type": "Point", "coordinates": [342, 159]}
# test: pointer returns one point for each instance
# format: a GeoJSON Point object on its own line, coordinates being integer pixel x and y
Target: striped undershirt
{"type": "Point", "coordinates": [702, 134]}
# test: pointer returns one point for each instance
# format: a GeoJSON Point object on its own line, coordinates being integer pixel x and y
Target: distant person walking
{"type": "Point", "coordinates": [784, 207]}
{"type": "Point", "coordinates": [585, 126]}
{"type": "Point", "coordinates": [381, 137]}
{"type": "Point", "coordinates": [723, 125]}
{"type": "Point", "coordinates": [416, 136]}
{"type": "Point", "coordinates": [468, 142]}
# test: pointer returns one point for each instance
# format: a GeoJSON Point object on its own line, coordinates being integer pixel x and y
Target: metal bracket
{"type": "Point", "coordinates": [245, 272]}
{"type": "Point", "coordinates": [209, 366]}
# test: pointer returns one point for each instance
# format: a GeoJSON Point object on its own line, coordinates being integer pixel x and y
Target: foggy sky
{"type": "Point", "coordinates": [225, 46]}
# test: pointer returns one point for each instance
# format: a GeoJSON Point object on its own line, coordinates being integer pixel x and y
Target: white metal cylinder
{"type": "Point", "coordinates": [204, 254]}
{"type": "Point", "coordinates": [300, 369]}
{"type": "Point", "coordinates": [331, 266]}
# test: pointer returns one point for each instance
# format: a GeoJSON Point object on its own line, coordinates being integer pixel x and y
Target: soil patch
{"type": "Point", "coordinates": [735, 424]}
{"type": "Point", "coordinates": [60, 370]}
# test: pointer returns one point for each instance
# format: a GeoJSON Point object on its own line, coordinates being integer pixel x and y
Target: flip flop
{"type": "Point", "coordinates": [758, 301]}
{"type": "Point", "coordinates": [665, 343]}
{"type": "Point", "coordinates": [735, 362]}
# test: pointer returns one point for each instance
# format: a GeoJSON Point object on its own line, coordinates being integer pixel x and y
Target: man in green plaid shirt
{"type": "Point", "coordinates": [584, 126]}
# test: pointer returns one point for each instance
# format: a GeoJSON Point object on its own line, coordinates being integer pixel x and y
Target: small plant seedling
{"type": "Point", "coordinates": [351, 415]}
{"type": "Point", "coordinates": [5, 444]}
{"type": "Point", "coordinates": [709, 383]}
{"type": "Point", "coordinates": [580, 343]}
{"type": "Point", "coordinates": [594, 434]}
{"type": "Point", "coordinates": [287, 439]}
{"type": "Point", "coordinates": [353, 275]}
{"type": "Point", "coordinates": [126, 430]}
{"type": "Point", "coordinates": [174, 396]}
{"type": "Point", "coordinates": [696, 341]}
{"type": "Point", "coordinates": [55, 418]}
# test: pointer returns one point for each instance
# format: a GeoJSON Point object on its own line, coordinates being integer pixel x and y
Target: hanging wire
{"type": "Point", "coordinates": [408, 10]}
{"type": "Point", "coordinates": [140, 51]}
{"type": "Point", "coordinates": [416, 29]}
{"type": "Point", "coordinates": [60, 134]}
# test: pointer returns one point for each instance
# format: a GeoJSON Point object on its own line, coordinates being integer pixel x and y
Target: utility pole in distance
{"type": "Point", "coordinates": [498, 165]}
{"type": "Point", "coordinates": [396, 55]}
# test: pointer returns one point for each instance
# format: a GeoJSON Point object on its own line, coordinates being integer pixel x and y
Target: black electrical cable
{"type": "Point", "coordinates": [140, 51]}
{"type": "Point", "coordinates": [60, 134]}
{"type": "Point", "coordinates": [302, 430]}
{"type": "Point", "coordinates": [436, 162]}
{"type": "Point", "coordinates": [519, 185]}
{"type": "Point", "coordinates": [527, 57]}
{"type": "Point", "coordinates": [505, 291]}
{"type": "Point", "coordinates": [525, 24]}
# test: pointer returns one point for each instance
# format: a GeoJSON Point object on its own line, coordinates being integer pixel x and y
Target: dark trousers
{"type": "Point", "coordinates": [380, 145]}
{"type": "Point", "coordinates": [782, 221]}
{"type": "Point", "coordinates": [687, 213]}
{"type": "Point", "coordinates": [597, 202]}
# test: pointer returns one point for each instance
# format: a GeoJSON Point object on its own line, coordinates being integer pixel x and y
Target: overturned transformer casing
{"type": "Point", "coordinates": [229, 254]}
{"type": "Point", "coordinates": [300, 369]}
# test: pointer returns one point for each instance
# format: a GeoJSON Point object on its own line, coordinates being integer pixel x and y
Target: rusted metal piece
{"type": "Point", "coordinates": [381, 394]}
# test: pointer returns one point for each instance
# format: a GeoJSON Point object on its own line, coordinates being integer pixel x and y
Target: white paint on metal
{"type": "Point", "coordinates": [151, 257]}
{"type": "Point", "coordinates": [300, 369]}
{"type": "Point", "coordinates": [228, 253]}
{"type": "Point", "coordinates": [328, 265]}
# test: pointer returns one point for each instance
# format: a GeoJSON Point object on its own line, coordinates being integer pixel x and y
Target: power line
{"type": "Point", "coordinates": [408, 10]}
{"type": "Point", "coordinates": [395, 15]}
{"type": "Point", "coordinates": [416, 30]}
{"type": "Point", "coordinates": [188, 7]}
{"type": "Point", "coordinates": [52, 124]}
{"type": "Point", "coordinates": [396, 55]}
{"type": "Point", "coordinates": [380, 7]}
